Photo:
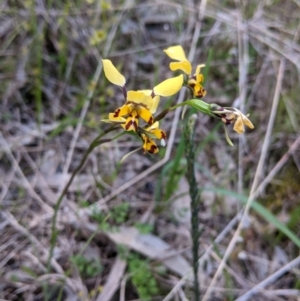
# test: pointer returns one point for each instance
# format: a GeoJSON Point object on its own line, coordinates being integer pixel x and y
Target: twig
{"type": "Point", "coordinates": [243, 46]}
{"type": "Point", "coordinates": [27, 185]}
{"type": "Point", "coordinates": [272, 278]}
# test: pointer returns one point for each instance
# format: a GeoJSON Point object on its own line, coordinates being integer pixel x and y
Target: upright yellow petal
{"type": "Point", "coordinates": [146, 92]}
{"type": "Point", "coordinates": [169, 86]}
{"type": "Point", "coordinates": [135, 96]}
{"type": "Point", "coordinates": [155, 100]}
{"type": "Point", "coordinates": [198, 69]}
{"type": "Point", "coordinates": [112, 74]}
{"type": "Point", "coordinates": [185, 66]}
{"type": "Point", "coordinates": [176, 53]}
{"type": "Point", "coordinates": [139, 97]}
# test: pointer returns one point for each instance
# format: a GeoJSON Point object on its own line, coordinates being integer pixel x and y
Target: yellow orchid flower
{"type": "Point", "coordinates": [137, 103]}
{"type": "Point", "coordinates": [148, 134]}
{"type": "Point", "coordinates": [141, 103]}
{"type": "Point", "coordinates": [194, 81]}
{"type": "Point", "coordinates": [239, 119]}
{"type": "Point", "coordinates": [230, 115]}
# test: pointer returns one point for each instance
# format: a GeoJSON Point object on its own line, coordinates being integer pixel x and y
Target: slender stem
{"type": "Point", "coordinates": [195, 200]}
{"type": "Point", "coordinates": [94, 144]}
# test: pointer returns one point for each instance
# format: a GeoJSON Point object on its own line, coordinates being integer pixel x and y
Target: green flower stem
{"type": "Point", "coordinates": [198, 104]}
{"type": "Point", "coordinates": [195, 199]}
{"type": "Point", "coordinates": [94, 144]}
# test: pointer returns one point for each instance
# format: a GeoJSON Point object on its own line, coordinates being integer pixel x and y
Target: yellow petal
{"type": "Point", "coordinates": [198, 69]}
{"type": "Point", "coordinates": [239, 125]}
{"type": "Point", "coordinates": [122, 111]}
{"type": "Point", "coordinates": [185, 66]}
{"type": "Point", "coordinates": [154, 132]}
{"type": "Point", "coordinates": [154, 126]}
{"type": "Point", "coordinates": [149, 145]}
{"type": "Point", "coordinates": [176, 53]}
{"type": "Point", "coordinates": [159, 134]}
{"type": "Point", "coordinates": [139, 97]}
{"type": "Point", "coordinates": [112, 74]}
{"type": "Point", "coordinates": [146, 92]}
{"type": "Point", "coordinates": [132, 122]}
{"type": "Point", "coordinates": [199, 78]}
{"type": "Point", "coordinates": [169, 86]}
{"type": "Point", "coordinates": [117, 120]}
{"type": "Point", "coordinates": [145, 114]}
{"type": "Point", "coordinates": [155, 100]}
{"type": "Point", "coordinates": [199, 91]}
{"type": "Point", "coordinates": [247, 122]}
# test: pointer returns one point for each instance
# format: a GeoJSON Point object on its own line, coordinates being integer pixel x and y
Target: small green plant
{"type": "Point", "coordinates": [101, 218]}
{"type": "Point", "coordinates": [87, 267]}
{"type": "Point", "coordinates": [118, 214]}
{"type": "Point", "coordinates": [144, 228]}
{"type": "Point", "coordinates": [142, 277]}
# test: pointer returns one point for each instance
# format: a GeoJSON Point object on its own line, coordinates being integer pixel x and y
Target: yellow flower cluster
{"type": "Point", "coordinates": [141, 104]}
{"type": "Point", "coordinates": [195, 81]}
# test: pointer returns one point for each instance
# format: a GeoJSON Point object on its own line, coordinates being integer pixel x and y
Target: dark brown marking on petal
{"type": "Point", "coordinates": [134, 104]}
{"type": "Point", "coordinates": [163, 135]}
{"type": "Point", "coordinates": [227, 121]}
{"type": "Point", "coordinates": [192, 85]}
{"type": "Point", "coordinates": [153, 149]}
{"type": "Point", "coordinates": [117, 112]}
{"type": "Point", "coordinates": [151, 120]}
{"type": "Point", "coordinates": [201, 92]}
{"type": "Point", "coordinates": [131, 123]}
{"type": "Point", "coordinates": [153, 94]}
